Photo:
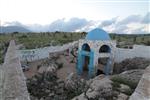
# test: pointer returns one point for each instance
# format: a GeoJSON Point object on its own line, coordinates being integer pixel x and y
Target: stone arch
{"type": "Point", "coordinates": [104, 49]}
{"type": "Point", "coordinates": [86, 47]}
{"type": "Point", "coordinates": [104, 61]}
{"type": "Point", "coordinates": [86, 58]}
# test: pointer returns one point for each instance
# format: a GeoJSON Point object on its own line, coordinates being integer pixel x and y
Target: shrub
{"type": "Point", "coordinates": [1, 60]}
{"type": "Point", "coordinates": [23, 36]}
{"type": "Point", "coordinates": [60, 65]}
{"type": "Point", "coordinates": [115, 85]}
{"type": "Point", "coordinates": [76, 89]}
{"type": "Point", "coordinates": [128, 91]}
{"type": "Point", "coordinates": [120, 80]}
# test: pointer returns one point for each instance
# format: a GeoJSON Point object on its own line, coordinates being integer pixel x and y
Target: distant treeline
{"type": "Point", "coordinates": [41, 39]}
{"type": "Point", "coordinates": [132, 38]}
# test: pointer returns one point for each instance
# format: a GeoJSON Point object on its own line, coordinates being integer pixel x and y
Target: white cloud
{"type": "Point", "coordinates": [131, 25]}
{"type": "Point", "coordinates": [71, 25]}
{"type": "Point", "coordinates": [109, 22]}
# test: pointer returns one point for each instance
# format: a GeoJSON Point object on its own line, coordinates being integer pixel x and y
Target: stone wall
{"type": "Point", "coordinates": [13, 80]}
{"type": "Point", "coordinates": [137, 51]}
{"type": "Point", "coordinates": [41, 53]}
{"type": "Point", "coordinates": [119, 54]}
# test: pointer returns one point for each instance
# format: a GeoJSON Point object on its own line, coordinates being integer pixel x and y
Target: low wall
{"type": "Point", "coordinates": [137, 51]}
{"type": "Point", "coordinates": [120, 54]}
{"type": "Point", "coordinates": [40, 53]}
{"type": "Point", "coordinates": [14, 82]}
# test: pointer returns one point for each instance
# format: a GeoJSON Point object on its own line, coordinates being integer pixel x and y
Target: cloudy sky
{"type": "Point", "coordinates": [121, 16]}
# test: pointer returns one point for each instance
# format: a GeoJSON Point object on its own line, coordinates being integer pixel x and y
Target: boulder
{"type": "Point", "coordinates": [130, 64]}
{"type": "Point", "coordinates": [123, 88]}
{"type": "Point", "coordinates": [122, 96]}
{"type": "Point", "coordinates": [73, 82]}
{"type": "Point", "coordinates": [42, 69]}
{"type": "Point", "coordinates": [132, 75]}
{"type": "Point", "coordinates": [99, 87]}
{"type": "Point", "coordinates": [51, 68]}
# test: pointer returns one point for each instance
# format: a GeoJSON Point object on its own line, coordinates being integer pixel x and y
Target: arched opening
{"type": "Point", "coordinates": [86, 47]}
{"type": "Point", "coordinates": [103, 61]}
{"type": "Point", "coordinates": [104, 49]}
{"type": "Point", "coordinates": [99, 72]}
{"type": "Point", "coordinates": [86, 58]}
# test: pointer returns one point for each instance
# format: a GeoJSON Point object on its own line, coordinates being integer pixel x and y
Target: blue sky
{"type": "Point", "coordinates": [92, 13]}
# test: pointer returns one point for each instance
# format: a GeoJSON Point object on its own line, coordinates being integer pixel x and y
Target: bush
{"type": "Point", "coordinates": [1, 60]}
{"type": "Point", "coordinates": [131, 63]}
{"type": "Point", "coordinates": [47, 86]}
{"type": "Point", "coordinates": [128, 91]}
{"type": "Point", "coordinates": [120, 80]}
{"type": "Point", "coordinates": [76, 89]}
{"type": "Point", "coordinates": [115, 85]}
{"type": "Point", "coordinates": [23, 36]}
{"type": "Point", "coordinates": [60, 65]}
{"type": "Point", "coordinates": [147, 43]}
{"type": "Point", "coordinates": [40, 83]}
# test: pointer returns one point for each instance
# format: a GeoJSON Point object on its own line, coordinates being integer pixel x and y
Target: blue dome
{"type": "Point", "coordinates": [97, 34]}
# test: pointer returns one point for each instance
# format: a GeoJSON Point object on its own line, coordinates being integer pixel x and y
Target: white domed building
{"type": "Point", "coordinates": [96, 54]}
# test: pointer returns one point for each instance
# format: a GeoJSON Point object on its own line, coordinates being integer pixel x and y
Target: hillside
{"type": "Point", "coordinates": [11, 29]}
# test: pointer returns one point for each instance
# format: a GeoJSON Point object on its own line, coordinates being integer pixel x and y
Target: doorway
{"type": "Point", "coordinates": [86, 57]}
{"type": "Point", "coordinates": [103, 62]}
{"type": "Point", "coordinates": [85, 63]}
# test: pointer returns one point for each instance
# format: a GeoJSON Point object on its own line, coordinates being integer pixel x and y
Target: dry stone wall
{"type": "Point", "coordinates": [41, 53]}
{"type": "Point", "coordinates": [13, 85]}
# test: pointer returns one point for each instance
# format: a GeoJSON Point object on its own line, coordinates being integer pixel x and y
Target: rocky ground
{"type": "Point", "coordinates": [47, 86]}
{"type": "Point", "coordinates": [128, 64]}
{"type": "Point", "coordinates": [55, 79]}
{"type": "Point", "coordinates": [62, 62]}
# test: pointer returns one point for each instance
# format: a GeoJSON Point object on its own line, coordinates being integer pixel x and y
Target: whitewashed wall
{"type": "Point", "coordinates": [137, 51]}
{"type": "Point", "coordinates": [120, 54]}
{"type": "Point", "coordinates": [40, 53]}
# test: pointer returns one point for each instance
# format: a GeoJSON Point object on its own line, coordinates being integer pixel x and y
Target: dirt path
{"type": "Point", "coordinates": [62, 73]}
{"type": "Point", "coordinates": [67, 67]}
{"type": "Point", "coordinates": [33, 68]}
